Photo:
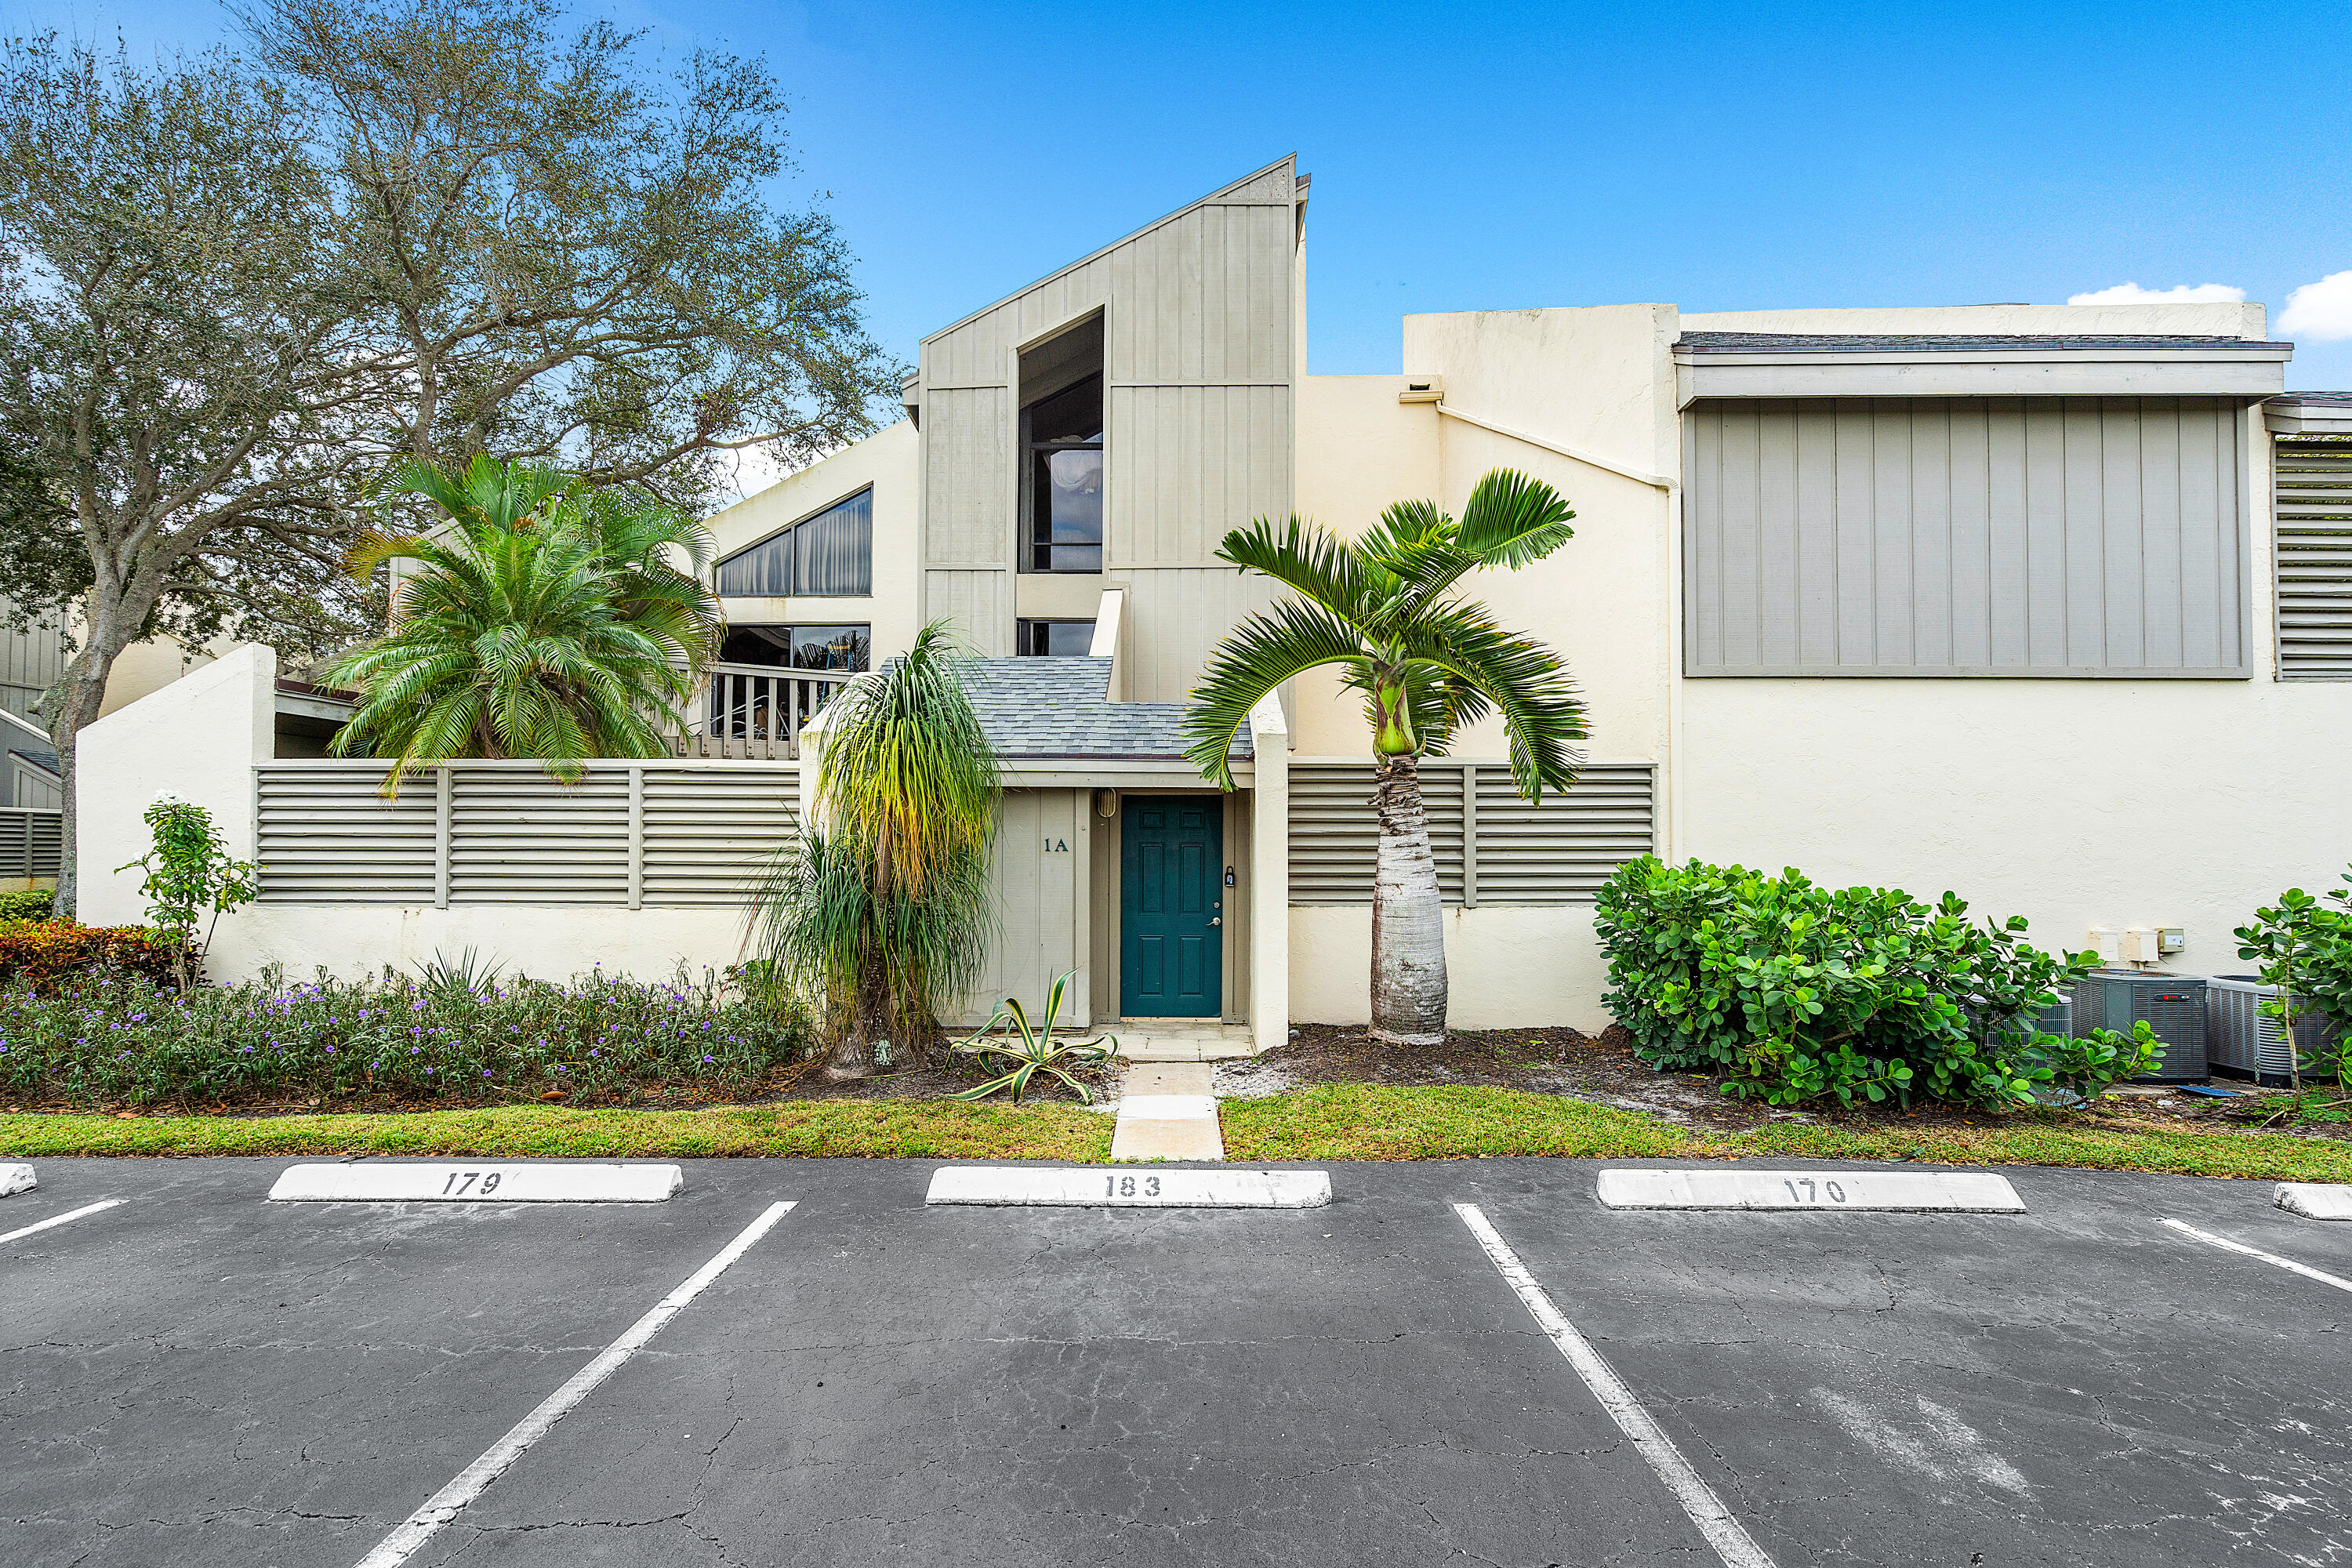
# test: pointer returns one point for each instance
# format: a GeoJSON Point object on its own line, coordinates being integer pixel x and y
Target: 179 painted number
{"type": "Point", "coordinates": [461, 1182]}
{"type": "Point", "coordinates": [1835, 1193]}
{"type": "Point", "coordinates": [1124, 1186]}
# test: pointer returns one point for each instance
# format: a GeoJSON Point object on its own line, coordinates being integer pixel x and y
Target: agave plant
{"type": "Point", "coordinates": [1030, 1050]}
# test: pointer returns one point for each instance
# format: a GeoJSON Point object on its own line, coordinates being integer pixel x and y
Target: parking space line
{"type": "Point", "coordinates": [1722, 1529]}
{"type": "Point", "coordinates": [2304, 1269]}
{"type": "Point", "coordinates": [450, 1500]}
{"type": "Point", "coordinates": [66, 1218]}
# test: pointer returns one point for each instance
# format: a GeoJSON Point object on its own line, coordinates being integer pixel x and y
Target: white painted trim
{"type": "Point", "coordinates": [67, 1218]}
{"type": "Point", "coordinates": [451, 1500]}
{"type": "Point", "coordinates": [1810, 1192]}
{"type": "Point", "coordinates": [1717, 1523]}
{"type": "Point", "coordinates": [1653, 481]}
{"type": "Point", "coordinates": [2286, 1263]}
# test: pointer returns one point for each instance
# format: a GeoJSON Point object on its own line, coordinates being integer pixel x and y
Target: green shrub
{"type": "Point", "coordinates": [2303, 946]}
{"type": "Point", "coordinates": [35, 904]}
{"type": "Point", "coordinates": [108, 1037]}
{"type": "Point", "coordinates": [1797, 993]}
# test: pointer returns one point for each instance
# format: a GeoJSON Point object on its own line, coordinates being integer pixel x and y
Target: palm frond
{"type": "Point", "coordinates": [1257, 657]}
{"type": "Point", "coordinates": [1307, 559]}
{"type": "Point", "coordinates": [1513, 520]}
{"type": "Point", "coordinates": [1525, 680]}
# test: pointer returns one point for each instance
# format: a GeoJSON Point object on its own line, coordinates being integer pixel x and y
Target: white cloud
{"type": "Point", "coordinates": [2184, 294]}
{"type": "Point", "coordinates": [2321, 310]}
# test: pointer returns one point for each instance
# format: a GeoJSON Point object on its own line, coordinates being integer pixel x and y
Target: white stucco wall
{"type": "Point", "coordinates": [1506, 967]}
{"type": "Point", "coordinates": [890, 461]}
{"type": "Point", "coordinates": [2073, 802]}
{"type": "Point", "coordinates": [198, 738]}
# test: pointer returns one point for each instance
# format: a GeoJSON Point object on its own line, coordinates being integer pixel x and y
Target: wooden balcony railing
{"type": "Point", "coordinates": [756, 711]}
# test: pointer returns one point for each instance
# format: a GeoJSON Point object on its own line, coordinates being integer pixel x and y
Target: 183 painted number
{"type": "Point", "coordinates": [1124, 1186]}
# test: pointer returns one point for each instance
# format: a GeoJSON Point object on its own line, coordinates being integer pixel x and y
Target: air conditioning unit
{"type": "Point", "coordinates": [2171, 1005]}
{"type": "Point", "coordinates": [2243, 1041]}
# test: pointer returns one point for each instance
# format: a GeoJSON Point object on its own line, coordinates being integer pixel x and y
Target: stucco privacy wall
{"type": "Point", "coordinates": [198, 739]}
{"type": "Point", "coordinates": [889, 461]}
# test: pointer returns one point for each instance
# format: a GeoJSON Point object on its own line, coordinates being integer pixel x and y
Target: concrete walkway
{"type": "Point", "coordinates": [1167, 1111]}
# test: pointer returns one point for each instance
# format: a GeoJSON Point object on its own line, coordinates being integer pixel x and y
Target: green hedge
{"type": "Point", "coordinates": [1795, 992]}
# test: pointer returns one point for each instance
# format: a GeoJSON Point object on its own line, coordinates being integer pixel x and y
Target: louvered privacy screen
{"type": "Point", "coordinates": [29, 838]}
{"type": "Point", "coordinates": [2314, 560]}
{"type": "Point", "coordinates": [628, 833]}
{"type": "Point", "coordinates": [1501, 850]}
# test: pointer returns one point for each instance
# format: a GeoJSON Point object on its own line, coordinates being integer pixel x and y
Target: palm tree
{"type": "Point", "coordinates": [548, 620]}
{"type": "Point", "coordinates": [1385, 609]}
{"type": "Point", "coordinates": [882, 907]}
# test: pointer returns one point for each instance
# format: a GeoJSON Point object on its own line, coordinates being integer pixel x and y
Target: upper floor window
{"type": "Point", "coordinates": [1057, 639]}
{"type": "Point", "coordinates": [1064, 485]}
{"type": "Point", "coordinates": [798, 648]}
{"type": "Point", "coordinates": [829, 553]}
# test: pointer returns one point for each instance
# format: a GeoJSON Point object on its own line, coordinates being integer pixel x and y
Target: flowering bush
{"type": "Point", "coordinates": [116, 1037]}
{"type": "Point", "coordinates": [37, 951]}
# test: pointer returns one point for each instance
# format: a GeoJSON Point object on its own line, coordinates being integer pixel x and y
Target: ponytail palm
{"type": "Point", "coordinates": [1388, 610]}
{"type": "Point", "coordinates": [883, 906]}
{"type": "Point", "coordinates": [545, 619]}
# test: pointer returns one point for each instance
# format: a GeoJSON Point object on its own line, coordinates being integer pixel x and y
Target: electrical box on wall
{"type": "Point", "coordinates": [2108, 943]}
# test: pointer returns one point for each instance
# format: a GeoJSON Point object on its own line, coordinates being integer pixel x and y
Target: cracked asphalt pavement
{"type": "Point", "coordinates": [199, 1377]}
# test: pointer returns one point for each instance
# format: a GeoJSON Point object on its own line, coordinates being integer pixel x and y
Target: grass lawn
{"type": "Point", "coordinates": [1370, 1121]}
{"type": "Point", "coordinates": [919, 1128]}
{"type": "Point", "coordinates": [1331, 1121]}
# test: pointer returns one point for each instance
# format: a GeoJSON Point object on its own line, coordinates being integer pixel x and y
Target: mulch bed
{"type": "Point", "coordinates": [1604, 1068]}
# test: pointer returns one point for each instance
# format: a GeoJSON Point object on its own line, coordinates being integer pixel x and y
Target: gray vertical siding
{"type": "Point", "coordinates": [1198, 410]}
{"type": "Point", "coordinates": [2012, 536]}
{"type": "Point", "coordinates": [30, 662]}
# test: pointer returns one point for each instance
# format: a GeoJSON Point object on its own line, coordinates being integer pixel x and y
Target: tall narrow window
{"type": "Point", "coordinates": [830, 555]}
{"type": "Point", "coordinates": [1065, 482]}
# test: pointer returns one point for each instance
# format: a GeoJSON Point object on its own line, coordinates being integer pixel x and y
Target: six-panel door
{"type": "Point", "coordinates": [1172, 906]}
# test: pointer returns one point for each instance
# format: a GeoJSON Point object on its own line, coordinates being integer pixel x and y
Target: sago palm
{"type": "Point", "coordinates": [545, 619]}
{"type": "Point", "coordinates": [882, 908]}
{"type": "Point", "coordinates": [1387, 608]}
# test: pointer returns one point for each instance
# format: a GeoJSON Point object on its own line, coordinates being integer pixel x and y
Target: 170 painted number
{"type": "Point", "coordinates": [1834, 1193]}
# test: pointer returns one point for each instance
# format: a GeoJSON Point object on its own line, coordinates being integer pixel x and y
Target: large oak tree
{"type": "Point", "coordinates": [237, 292]}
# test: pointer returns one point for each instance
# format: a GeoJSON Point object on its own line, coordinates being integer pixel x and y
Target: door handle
{"type": "Point", "coordinates": [1217, 921]}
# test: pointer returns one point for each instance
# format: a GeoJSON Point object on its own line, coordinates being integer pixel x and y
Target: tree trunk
{"type": "Point", "coordinates": [71, 704]}
{"type": "Point", "coordinates": [868, 1021]}
{"type": "Point", "coordinates": [1408, 916]}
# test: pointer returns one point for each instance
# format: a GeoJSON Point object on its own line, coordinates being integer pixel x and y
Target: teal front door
{"type": "Point", "coordinates": [1171, 867]}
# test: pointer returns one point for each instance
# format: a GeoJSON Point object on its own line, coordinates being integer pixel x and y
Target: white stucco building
{"type": "Point", "coordinates": [1998, 599]}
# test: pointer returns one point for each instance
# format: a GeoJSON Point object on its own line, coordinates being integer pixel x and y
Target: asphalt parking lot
{"type": "Point", "coordinates": [198, 1376]}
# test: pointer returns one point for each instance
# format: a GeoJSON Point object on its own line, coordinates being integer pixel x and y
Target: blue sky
{"type": "Point", "coordinates": [1717, 156]}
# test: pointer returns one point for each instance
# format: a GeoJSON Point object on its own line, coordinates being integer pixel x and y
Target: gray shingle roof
{"type": "Point", "coordinates": [1876, 342]}
{"type": "Point", "coordinates": [1033, 708]}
